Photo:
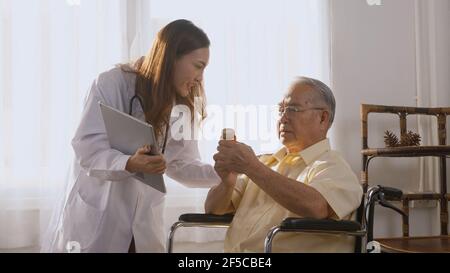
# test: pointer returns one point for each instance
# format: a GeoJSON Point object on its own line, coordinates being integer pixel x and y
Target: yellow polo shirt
{"type": "Point", "coordinates": [256, 212]}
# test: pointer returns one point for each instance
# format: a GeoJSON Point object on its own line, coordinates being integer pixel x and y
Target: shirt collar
{"type": "Point", "coordinates": [280, 154]}
{"type": "Point", "coordinates": [310, 154]}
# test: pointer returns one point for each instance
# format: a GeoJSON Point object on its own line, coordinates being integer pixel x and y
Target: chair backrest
{"type": "Point", "coordinates": [403, 112]}
{"type": "Point", "coordinates": [442, 151]}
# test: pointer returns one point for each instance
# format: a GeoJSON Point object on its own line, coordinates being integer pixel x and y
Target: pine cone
{"type": "Point", "coordinates": [415, 139]}
{"type": "Point", "coordinates": [391, 140]}
{"type": "Point", "coordinates": [410, 139]}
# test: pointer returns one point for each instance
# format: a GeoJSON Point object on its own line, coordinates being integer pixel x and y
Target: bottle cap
{"type": "Point", "coordinates": [228, 134]}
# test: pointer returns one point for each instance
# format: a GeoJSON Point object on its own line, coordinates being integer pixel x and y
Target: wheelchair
{"type": "Point", "coordinates": [361, 228]}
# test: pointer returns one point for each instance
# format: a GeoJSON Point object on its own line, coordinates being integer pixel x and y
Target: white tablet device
{"type": "Point", "coordinates": [127, 134]}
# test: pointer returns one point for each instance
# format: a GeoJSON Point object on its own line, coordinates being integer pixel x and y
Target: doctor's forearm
{"type": "Point", "coordinates": [194, 175]}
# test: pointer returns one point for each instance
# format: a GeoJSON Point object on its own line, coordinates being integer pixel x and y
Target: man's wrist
{"type": "Point", "coordinates": [254, 169]}
{"type": "Point", "coordinates": [229, 182]}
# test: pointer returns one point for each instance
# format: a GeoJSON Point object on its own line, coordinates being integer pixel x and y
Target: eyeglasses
{"type": "Point", "coordinates": [290, 109]}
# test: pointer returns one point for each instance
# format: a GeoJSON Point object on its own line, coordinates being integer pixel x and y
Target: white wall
{"type": "Point", "coordinates": [374, 61]}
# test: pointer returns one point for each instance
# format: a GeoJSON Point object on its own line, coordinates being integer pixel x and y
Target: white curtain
{"type": "Point", "coordinates": [432, 68]}
{"type": "Point", "coordinates": [427, 78]}
{"type": "Point", "coordinates": [51, 50]}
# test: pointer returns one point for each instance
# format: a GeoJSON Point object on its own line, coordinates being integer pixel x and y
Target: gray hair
{"type": "Point", "coordinates": [325, 94]}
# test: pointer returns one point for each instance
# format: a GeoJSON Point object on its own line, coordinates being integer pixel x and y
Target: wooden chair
{"type": "Point", "coordinates": [442, 151]}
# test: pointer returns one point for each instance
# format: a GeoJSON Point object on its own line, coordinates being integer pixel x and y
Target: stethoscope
{"type": "Point", "coordinates": [137, 97]}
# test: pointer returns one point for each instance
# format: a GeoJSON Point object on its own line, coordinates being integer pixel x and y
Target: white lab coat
{"type": "Point", "coordinates": [106, 205]}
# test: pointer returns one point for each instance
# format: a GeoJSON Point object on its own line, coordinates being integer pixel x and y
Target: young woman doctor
{"type": "Point", "coordinates": [107, 209]}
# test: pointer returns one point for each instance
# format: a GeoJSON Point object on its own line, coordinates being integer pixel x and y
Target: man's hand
{"type": "Point", "coordinates": [228, 178]}
{"type": "Point", "coordinates": [143, 163]}
{"type": "Point", "coordinates": [234, 157]}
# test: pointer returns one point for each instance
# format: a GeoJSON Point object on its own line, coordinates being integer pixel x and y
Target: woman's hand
{"type": "Point", "coordinates": [141, 162]}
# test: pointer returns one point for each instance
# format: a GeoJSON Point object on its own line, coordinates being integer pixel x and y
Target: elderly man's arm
{"type": "Point", "coordinates": [219, 197]}
{"type": "Point", "coordinates": [297, 197]}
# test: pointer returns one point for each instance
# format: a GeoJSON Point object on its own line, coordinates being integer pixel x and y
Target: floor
{"type": "Point", "coordinates": [210, 247]}
{"type": "Point", "coordinates": [21, 250]}
{"type": "Point", "coordinates": [180, 247]}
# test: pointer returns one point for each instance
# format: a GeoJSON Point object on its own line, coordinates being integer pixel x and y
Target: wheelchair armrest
{"type": "Point", "coordinates": [391, 193]}
{"type": "Point", "coordinates": [206, 218]}
{"type": "Point", "coordinates": [319, 225]}
{"type": "Point", "coordinates": [309, 225]}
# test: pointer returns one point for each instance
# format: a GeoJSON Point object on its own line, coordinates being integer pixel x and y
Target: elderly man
{"type": "Point", "coordinates": [305, 178]}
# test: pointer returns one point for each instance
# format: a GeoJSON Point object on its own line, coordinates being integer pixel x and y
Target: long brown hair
{"type": "Point", "coordinates": [155, 73]}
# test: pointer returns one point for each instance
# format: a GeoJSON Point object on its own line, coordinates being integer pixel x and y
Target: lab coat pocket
{"type": "Point", "coordinates": [83, 222]}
